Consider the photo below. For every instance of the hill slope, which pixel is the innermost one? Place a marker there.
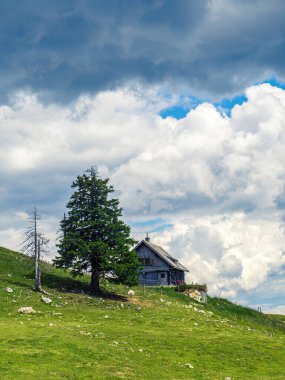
(158, 334)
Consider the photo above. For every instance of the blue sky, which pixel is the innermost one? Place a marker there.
(225, 104)
(180, 103)
(180, 110)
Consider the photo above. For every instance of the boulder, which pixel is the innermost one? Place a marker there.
(26, 310)
(193, 293)
(131, 293)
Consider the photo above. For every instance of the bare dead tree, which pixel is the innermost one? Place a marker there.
(35, 245)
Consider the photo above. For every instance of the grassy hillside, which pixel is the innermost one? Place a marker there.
(157, 334)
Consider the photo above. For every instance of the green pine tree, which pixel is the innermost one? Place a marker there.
(93, 237)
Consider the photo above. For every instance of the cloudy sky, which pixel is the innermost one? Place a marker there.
(180, 103)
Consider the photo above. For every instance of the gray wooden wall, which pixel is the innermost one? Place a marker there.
(144, 252)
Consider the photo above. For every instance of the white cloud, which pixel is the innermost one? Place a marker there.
(238, 159)
(99, 129)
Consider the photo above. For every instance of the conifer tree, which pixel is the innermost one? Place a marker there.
(93, 237)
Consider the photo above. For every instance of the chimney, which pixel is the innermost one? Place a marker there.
(147, 238)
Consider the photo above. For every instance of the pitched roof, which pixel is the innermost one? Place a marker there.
(164, 255)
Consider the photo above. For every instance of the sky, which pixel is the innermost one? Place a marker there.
(180, 103)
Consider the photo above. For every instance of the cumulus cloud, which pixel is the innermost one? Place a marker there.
(214, 183)
(233, 162)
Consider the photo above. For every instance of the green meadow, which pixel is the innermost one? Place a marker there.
(156, 334)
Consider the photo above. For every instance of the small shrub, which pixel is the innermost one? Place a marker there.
(182, 287)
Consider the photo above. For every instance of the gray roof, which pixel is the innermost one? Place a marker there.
(164, 255)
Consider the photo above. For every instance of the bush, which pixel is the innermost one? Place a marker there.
(183, 287)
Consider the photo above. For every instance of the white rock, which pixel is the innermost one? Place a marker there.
(9, 290)
(189, 365)
(26, 310)
(131, 293)
(228, 378)
(46, 300)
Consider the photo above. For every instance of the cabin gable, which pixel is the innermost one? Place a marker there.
(149, 259)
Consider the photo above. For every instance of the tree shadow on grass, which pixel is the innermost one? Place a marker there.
(11, 283)
(68, 284)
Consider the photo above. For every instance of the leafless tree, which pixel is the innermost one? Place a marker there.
(35, 245)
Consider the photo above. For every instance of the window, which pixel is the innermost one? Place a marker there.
(179, 276)
(146, 261)
(162, 275)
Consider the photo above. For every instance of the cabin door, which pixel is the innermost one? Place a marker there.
(163, 280)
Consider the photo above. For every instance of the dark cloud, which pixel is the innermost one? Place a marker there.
(61, 49)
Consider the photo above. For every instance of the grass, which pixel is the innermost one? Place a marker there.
(157, 334)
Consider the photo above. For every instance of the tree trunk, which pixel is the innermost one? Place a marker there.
(38, 271)
(37, 276)
(37, 254)
(94, 284)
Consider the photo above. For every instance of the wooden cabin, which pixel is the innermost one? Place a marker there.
(159, 267)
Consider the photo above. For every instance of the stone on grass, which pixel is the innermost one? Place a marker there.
(131, 293)
(9, 290)
(188, 365)
(26, 310)
(46, 300)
